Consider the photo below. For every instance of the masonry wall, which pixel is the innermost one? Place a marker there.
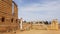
(53, 26)
(7, 20)
(27, 26)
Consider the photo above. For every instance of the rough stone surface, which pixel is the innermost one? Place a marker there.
(8, 21)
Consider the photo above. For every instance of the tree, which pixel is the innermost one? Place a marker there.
(46, 22)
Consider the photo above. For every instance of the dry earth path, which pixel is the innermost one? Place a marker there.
(36, 32)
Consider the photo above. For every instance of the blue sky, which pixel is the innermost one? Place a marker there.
(32, 10)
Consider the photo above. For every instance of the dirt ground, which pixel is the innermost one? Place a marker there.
(35, 32)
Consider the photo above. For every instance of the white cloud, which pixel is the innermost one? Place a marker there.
(50, 6)
(52, 9)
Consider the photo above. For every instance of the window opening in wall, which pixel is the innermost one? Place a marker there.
(12, 20)
(3, 19)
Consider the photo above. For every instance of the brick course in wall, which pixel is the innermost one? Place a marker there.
(8, 21)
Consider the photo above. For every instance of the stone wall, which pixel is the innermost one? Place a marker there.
(27, 26)
(52, 26)
(8, 21)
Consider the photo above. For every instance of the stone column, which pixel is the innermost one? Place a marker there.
(21, 24)
(54, 24)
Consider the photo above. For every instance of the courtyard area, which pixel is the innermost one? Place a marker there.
(35, 32)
